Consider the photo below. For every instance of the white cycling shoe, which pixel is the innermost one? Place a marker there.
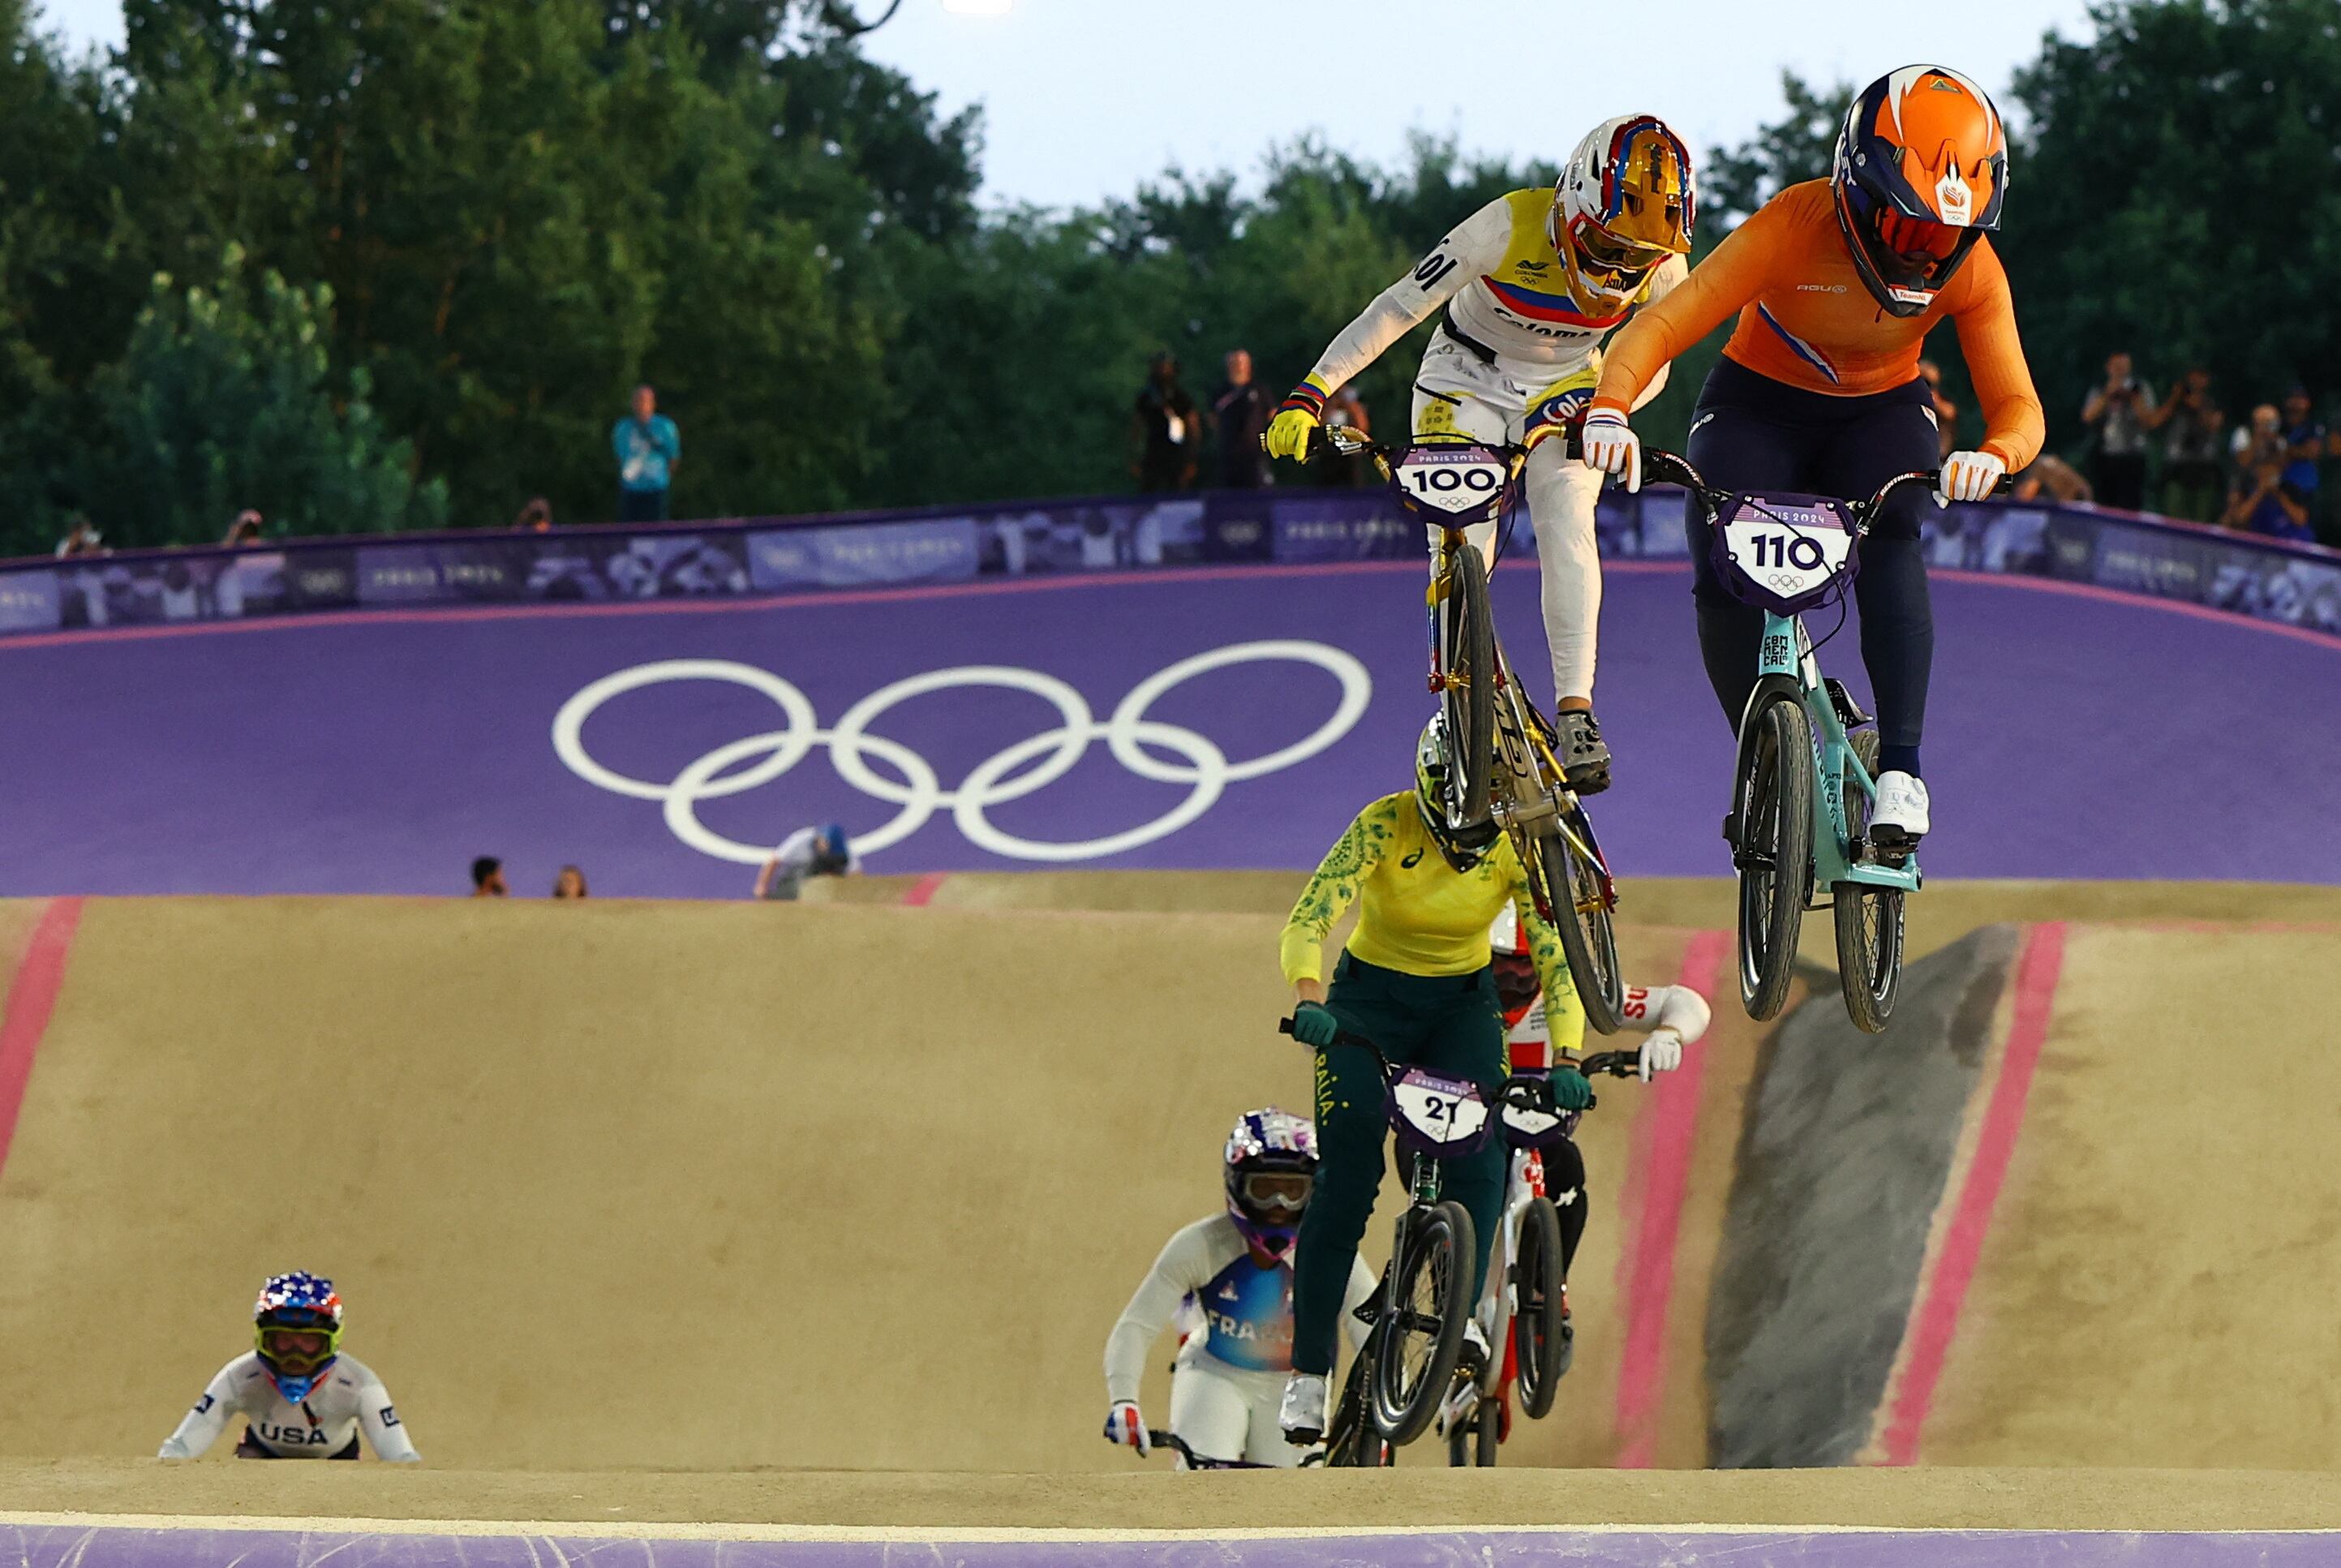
(1303, 1413)
(1897, 819)
(1476, 1355)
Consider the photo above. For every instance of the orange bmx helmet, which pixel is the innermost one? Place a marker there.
(1921, 173)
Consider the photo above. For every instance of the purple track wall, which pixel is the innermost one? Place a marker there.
(2074, 733)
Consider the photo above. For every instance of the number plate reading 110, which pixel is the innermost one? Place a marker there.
(1465, 479)
(1440, 1110)
(1787, 559)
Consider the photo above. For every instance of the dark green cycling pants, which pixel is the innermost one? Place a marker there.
(1447, 1024)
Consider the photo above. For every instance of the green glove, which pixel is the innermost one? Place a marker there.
(1570, 1091)
(1313, 1024)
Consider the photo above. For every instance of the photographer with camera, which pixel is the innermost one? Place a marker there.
(2194, 430)
(2117, 415)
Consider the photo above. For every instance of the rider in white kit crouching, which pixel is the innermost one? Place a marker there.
(1228, 1281)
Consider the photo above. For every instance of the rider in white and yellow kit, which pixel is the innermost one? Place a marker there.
(1531, 283)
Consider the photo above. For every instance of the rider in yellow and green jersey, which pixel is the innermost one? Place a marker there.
(1415, 979)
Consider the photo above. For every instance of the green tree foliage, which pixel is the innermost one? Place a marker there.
(473, 225)
(2177, 193)
(222, 401)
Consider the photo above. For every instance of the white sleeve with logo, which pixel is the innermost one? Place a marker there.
(1186, 1262)
(378, 1419)
(202, 1426)
(1470, 249)
(1675, 1007)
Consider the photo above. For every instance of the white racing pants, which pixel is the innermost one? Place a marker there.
(1225, 1413)
(1457, 393)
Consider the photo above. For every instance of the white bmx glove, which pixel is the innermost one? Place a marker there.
(1968, 477)
(1612, 446)
(1661, 1052)
(1125, 1428)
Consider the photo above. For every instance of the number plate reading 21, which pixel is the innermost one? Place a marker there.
(1439, 1110)
(1454, 479)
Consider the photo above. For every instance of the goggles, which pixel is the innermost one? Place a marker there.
(296, 1350)
(1918, 240)
(1285, 1189)
(1607, 250)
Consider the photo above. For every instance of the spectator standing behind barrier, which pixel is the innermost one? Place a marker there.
(488, 877)
(2116, 414)
(1242, 411)
(648, 447)
(1347, 409)
(2194, 429)
(2261, 501)
(1946, 412)
(244, 531)
(1165, 429)
(809, 852)
(2305, 444)
(536, 517)
(82, 539)
(570, 884)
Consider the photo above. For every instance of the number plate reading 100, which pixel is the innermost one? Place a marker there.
(1463, 481)
(1439, 1109)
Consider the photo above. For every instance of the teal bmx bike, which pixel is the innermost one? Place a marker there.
(1806, 780)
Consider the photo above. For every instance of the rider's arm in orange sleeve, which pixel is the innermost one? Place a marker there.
(2014, 424)
(1717, 289)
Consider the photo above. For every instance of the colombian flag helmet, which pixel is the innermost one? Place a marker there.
(1624, 203)
(1922, 173)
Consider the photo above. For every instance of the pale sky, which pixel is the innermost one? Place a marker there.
(1083, 99)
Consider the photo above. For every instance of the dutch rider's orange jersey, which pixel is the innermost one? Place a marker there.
(1805, 319)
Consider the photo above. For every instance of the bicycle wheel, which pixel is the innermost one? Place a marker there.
(1540, 1335)
(1468, 655)
(1772, 807)
(1423, 1331)
(1579, 890)
(1869, 920)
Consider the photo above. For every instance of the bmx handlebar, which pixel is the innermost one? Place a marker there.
(1617, 1064)
(1673, 468)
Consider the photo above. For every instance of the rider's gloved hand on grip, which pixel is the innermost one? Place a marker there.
(1313, 1024)
(1570, 1090)
(1296, 421)
(1662, 1053)
(1125, 1428)
(1969, 476)
(1612, 446)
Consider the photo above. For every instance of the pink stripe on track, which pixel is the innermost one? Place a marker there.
(923, 892)
(1936, 1318)
(31, 997)
(1665, 1135)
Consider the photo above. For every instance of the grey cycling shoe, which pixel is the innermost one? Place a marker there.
(1584, 759)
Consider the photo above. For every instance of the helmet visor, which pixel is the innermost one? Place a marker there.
(1270, 1194)
(296, 1350)
(1616, 254)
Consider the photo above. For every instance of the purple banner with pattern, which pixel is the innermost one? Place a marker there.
(187, 1546)
(2295, 584)
(1209, 717)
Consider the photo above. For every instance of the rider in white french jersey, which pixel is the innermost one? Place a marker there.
(1532, 282)
(1235, 1347)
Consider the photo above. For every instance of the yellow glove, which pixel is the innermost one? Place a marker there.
(1296, 422)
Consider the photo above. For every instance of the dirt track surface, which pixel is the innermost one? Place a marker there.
(1940, 1498)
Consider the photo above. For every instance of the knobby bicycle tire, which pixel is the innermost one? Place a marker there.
(1468, 655)
(1869, 920)
(1539, 1330)
(1772, 803)
(1440, 1251)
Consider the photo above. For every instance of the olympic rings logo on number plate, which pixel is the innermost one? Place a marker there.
(918, 793)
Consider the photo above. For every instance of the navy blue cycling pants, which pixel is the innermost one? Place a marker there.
(1752, 433)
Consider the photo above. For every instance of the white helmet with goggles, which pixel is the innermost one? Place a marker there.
(1624, 203)
(1271, 1167)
